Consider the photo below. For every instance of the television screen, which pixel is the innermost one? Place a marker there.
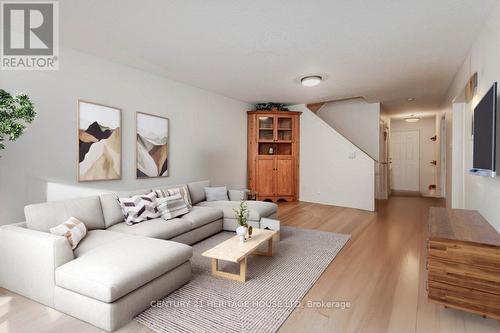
(485, 131)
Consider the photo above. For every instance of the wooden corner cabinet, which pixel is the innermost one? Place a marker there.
(463, 262)
(273, 154)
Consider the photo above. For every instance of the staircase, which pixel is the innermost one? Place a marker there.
(355, 119)
(359, 122)
(333, 170)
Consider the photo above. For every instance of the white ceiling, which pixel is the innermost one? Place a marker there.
(255, 50)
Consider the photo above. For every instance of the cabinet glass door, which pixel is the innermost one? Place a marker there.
(266, 128)
(285, 126)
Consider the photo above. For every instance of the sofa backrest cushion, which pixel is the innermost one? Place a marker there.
(197, 191)
(111, 208)
(44, 216)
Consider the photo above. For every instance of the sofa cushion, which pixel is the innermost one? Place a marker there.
(197, 191)
(157, 228)
(96, 238)
(199, 216)
(237, 195)
(230, 224)
(111, 208)
(111, 271)
(257, 209)
(47, 215)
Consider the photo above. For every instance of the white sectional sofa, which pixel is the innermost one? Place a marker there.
(117, 270)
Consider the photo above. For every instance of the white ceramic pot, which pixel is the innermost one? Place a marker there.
(241, 232)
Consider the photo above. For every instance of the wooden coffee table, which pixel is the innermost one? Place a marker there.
(233, 251)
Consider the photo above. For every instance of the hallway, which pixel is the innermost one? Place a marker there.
(381, 272)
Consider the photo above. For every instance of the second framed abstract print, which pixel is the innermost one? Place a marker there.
(152, 146)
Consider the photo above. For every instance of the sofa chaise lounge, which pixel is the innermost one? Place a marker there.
(117, 270)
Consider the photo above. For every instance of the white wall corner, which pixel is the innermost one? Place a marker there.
(333, 171)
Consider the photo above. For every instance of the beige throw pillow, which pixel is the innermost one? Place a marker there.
(73, 229)
(162, 193)
(172, 204)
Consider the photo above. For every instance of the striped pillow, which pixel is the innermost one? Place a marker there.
(162, 193)
(172, 204)
(139, 208)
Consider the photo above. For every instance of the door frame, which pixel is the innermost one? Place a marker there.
(419, 161)
(458, 155)
(442, 155)
(382, 165)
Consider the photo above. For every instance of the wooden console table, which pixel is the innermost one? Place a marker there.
(463, 260)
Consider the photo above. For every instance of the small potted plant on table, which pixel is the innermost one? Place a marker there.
(241, 215)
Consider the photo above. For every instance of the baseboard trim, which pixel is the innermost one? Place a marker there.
(402, 193)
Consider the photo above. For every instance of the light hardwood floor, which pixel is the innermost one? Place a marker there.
(381, 272)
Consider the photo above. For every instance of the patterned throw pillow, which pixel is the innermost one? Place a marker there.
(139, 208)
(184, 193)
(172, 204)
(73, 229)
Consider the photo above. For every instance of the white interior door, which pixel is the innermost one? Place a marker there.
(405, 161)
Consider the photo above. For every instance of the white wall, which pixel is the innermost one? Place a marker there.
(332, 170)
(427, 129)
(207, 131)
(357, 120)
(479, 193)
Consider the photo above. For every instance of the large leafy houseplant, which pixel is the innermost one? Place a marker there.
(15, 112)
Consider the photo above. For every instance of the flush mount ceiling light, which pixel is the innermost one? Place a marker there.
(412, 119)
(410, 99)
(311, 81)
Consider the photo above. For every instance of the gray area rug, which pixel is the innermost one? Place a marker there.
(275, 286)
